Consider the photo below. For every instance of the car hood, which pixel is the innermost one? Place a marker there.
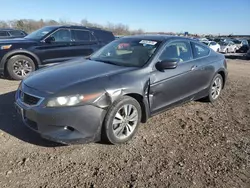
(56, 78)
(15, 41)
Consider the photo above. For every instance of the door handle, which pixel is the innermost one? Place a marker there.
(193, 67)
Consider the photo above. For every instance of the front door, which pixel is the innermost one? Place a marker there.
(172, 86)
(58, 50)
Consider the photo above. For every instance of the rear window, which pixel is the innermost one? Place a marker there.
(199, 50)
(16, 33)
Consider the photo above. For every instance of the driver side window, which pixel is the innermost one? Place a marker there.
(61, 35)
(178, 51)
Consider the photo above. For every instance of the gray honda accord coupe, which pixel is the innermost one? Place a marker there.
(107, 95)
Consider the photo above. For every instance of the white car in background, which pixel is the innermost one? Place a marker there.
(227, 47)
(203, 40)
(213, 45)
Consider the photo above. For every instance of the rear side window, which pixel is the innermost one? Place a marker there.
(83, 35)
(4, 34)
(199, 50)
(16, 33)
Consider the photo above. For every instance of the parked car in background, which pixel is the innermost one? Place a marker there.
(203, 39)
(227, 47)
(213, 45)
(242, 45)
(49, 45)
(12, 33)
(248, 54)
(107, 95)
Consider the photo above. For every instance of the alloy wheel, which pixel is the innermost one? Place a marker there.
(125, 121)
(216, 88)
(22, 68)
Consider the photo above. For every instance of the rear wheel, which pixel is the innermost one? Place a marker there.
(215, 88)
(20, 66)
(122, 120)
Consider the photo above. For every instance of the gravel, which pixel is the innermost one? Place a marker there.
(193, 145)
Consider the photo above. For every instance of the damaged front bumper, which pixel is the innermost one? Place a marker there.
(67, 125)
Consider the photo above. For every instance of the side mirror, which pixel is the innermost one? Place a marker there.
(50, 39)
(167, 64)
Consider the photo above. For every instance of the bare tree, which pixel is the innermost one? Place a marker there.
(3, 24)
(30, 25)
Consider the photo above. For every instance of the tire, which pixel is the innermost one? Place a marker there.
(19, 66)
(227, 51)
(218, 50)
(115, 130)
(211, 97)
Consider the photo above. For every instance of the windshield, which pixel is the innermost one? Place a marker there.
(217, 40)
(39, 34)
(131, 52)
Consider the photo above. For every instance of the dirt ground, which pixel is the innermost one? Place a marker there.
(194, 145)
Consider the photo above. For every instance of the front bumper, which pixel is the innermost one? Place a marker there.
(67, 125)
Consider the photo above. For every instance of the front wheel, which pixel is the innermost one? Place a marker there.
(20, 66)
(215, 88)
(122, 120)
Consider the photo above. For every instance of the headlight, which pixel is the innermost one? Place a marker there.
(6, 47)
(71, 100)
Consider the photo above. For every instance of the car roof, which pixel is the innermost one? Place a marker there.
(6, 29)
(9, 29)
(158, 37)
(78, 27)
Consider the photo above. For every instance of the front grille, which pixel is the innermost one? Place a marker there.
(29, 99)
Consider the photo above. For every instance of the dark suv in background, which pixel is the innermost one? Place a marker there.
(49, 45)
(11, 33)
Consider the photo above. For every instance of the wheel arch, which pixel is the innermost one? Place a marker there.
(223, 75)
(29, 54)
(143, 103)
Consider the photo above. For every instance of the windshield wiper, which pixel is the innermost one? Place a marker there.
(106, 61)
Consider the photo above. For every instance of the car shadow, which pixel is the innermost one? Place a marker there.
(236, 56)
(11, 123)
